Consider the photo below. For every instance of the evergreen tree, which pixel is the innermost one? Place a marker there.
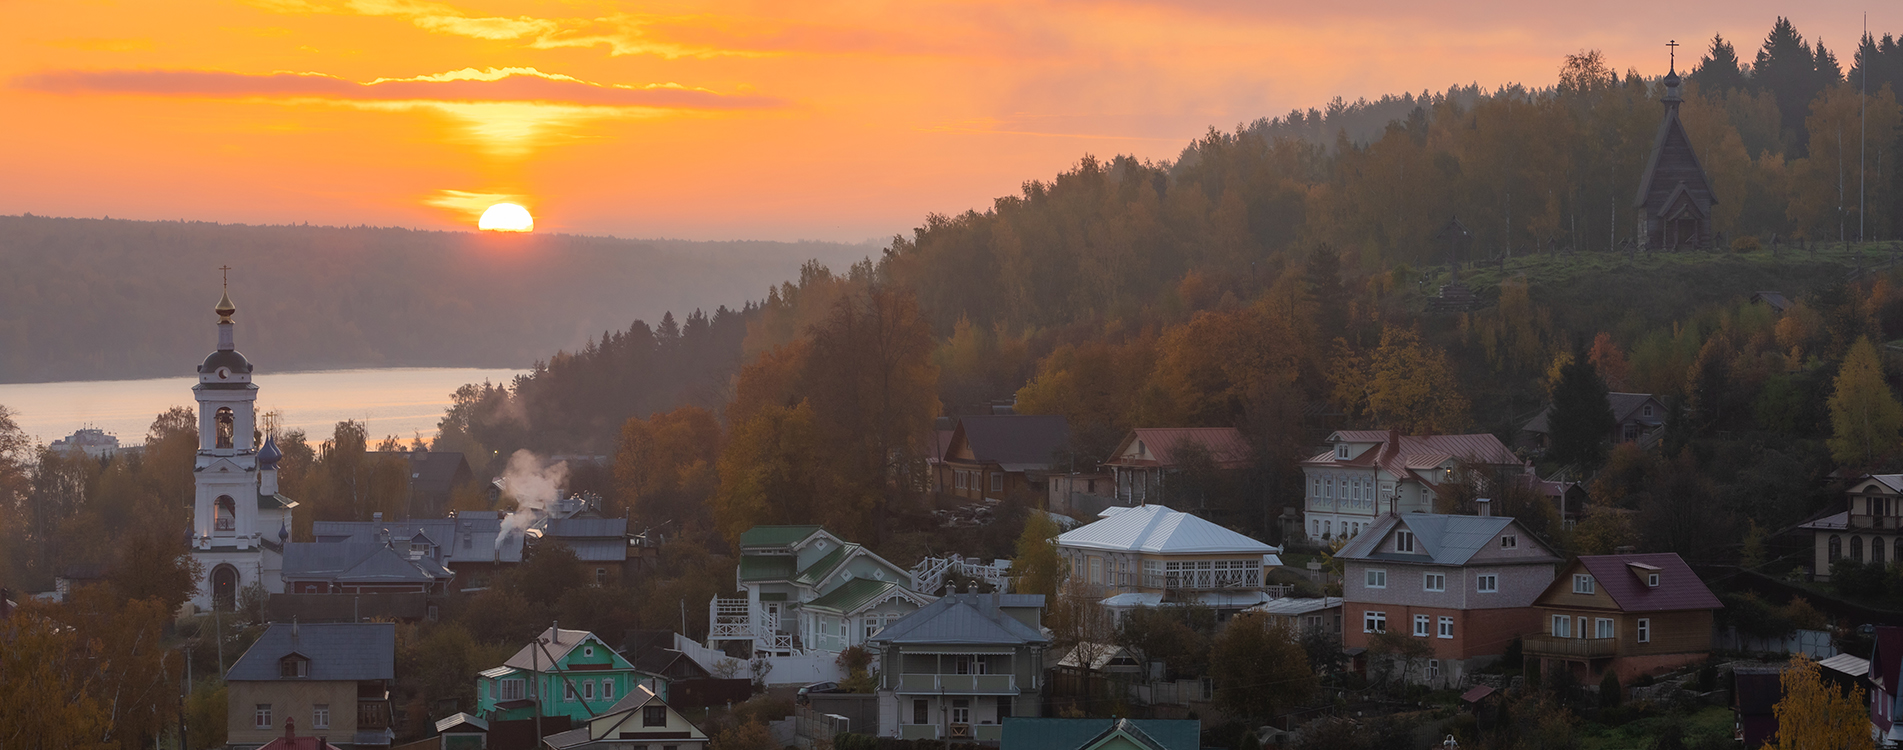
(1787, 68)
(1581, 418)
(1323, 281)
(1865, 418)
(1719, 71)
(1829, 73)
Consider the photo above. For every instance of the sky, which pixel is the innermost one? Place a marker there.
(841, 120)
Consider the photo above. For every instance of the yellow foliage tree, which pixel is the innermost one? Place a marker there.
(770, 472)
(1815, 716)
(1865, 418)
(1212, 367)
(1403, 385)
(667, 461)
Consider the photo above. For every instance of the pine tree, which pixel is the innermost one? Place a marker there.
(1829, 73)
(1865, 418)
(1323, 281)
(1787, 68)
(1581, 418)
(1718, 72)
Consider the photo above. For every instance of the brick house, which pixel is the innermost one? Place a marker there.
(1631, 614)
(1463, 584)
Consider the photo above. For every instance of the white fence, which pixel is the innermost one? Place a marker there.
(785, 670)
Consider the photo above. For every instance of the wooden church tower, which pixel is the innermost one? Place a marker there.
(1674, 200)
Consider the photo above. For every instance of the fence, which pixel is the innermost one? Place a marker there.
(1816, 643)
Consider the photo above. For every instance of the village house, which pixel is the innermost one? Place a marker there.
(1870, 528)
(991, 457)
(572, 673)
(1306, 615)
(1632, 614)
(474, 545)
(806, 590)
(333, 680)
(1886, 692)
(433, 476)
(394, 566)
(1637, 418)
(1365, 473)
(640, 719)
(1146, 459)
(960, 666)
(1464, 585)
(1149, 555)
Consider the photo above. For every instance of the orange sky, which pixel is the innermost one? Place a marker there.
(818, 119)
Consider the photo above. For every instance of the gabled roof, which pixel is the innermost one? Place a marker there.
(1225, 444)
(856, 593)
(481, 528)
(826, 564)
(1672, 150)
(1679, 588)
(1440, 539)
(767, 567)
(560, 642)
(1625, 406)
(348, 651)
(570, 529)
(1016, 442)
(1078, 734)
(965, 619)
(1290, 606)
(776, 536)
(358, 562)
(1156, 528)
(1400, 454)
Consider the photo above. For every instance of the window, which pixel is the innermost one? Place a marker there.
(1510, 541)
(1602, 627)
(431, 613)
(872, 627)
(1856, 548)
(225, 426)
(1433, 669)
(320, 716)
(568, 690)
(262, 717)
(1328, 488)
(294, 666)
(1836, 547)
(1420, 625)
(601, 576)
(1403, 541)
(961, 711)
(1341, 451)
(1328, 528)
(1582, 583)
(509, 690)
(1487, 584)
(997, 481)
(1645, 630)
(588, 691)
(1377, 579)
(1652, 580)
(654, 716)
(1004, 708)
(1434, 582)
(588, 650)
(224, 514)
(1209, 688)
(607, 688)
(1096, 570)
(1374, 622)
(1562, 626)
(919, 715)
(1446, 627)
(1645, 410)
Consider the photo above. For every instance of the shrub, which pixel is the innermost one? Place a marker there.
(1746, 244)
(1611, 694)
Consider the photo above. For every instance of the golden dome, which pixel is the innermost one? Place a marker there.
(225, 308)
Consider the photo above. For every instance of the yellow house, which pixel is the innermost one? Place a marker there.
(332, 679)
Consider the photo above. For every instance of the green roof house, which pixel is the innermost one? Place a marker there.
(801, 590)
(572, 672)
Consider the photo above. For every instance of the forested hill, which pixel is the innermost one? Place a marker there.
(107, 299)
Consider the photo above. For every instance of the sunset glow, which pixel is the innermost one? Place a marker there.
(506, 217)
(722, 118)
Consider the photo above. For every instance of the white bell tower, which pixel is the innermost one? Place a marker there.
(238, 529)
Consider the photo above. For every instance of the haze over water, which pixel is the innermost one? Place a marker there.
(394, 401)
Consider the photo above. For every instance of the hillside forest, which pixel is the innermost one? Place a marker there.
(1275, 279)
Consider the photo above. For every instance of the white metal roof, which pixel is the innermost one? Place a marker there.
(1157, 529)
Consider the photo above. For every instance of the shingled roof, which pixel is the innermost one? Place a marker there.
(1441, 539)
(1402, 455)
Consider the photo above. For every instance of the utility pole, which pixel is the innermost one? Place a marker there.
(1863, 126)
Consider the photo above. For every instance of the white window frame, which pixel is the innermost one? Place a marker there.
(997, 481)
(512, 689)
(1433, 581)
(1582, 583)
(1374, 622)
(1602, 628)
(1487, 583)
(1433, 669)
(1562, 626)
(1509, 541)
(1403, 541)
(261, 716)
(587, 690)
(320, 716)
(607, 688)
(568, 691)
(1341, 451)
(1445, 627)
(1645, 630)
(1421, 625)
(1376, 578)
(1652, 580)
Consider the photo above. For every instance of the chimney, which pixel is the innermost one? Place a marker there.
(290, 733)
(377, 517)
(1484, 505)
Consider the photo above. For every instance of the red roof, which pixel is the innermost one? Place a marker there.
(1226, 445)
(1678, 589)
(1887, 656)
(1400, 454)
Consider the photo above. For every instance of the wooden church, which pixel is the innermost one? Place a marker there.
(1674, 200)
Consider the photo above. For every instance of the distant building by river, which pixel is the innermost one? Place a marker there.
(93, 442)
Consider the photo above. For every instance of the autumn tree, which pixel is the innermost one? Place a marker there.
(1259, 667)
(1403, 384)
(1037, 569)
(1814, 715)
(1865, 418)
(1098, 386)
(1610, 361)
(772, 471)
(43, 697)
(665, 465)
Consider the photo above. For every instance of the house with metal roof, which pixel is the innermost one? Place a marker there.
(1023, 733)
(960, 666)
(601, 544)
(569, 673)
(475, 545)
(1637, 418)
(641, 719)
(1886, 683)
(1365, 473)
(989, 457)
(1149, 555)
(1463, 585)
(1632, 614)
(800, 589)
(1870, 528)
(332, 679)
(1146, 459)
(1307, 614)
(363, 568)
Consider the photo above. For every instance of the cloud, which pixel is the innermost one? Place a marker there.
(466, 85)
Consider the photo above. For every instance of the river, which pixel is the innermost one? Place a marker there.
(404, 401)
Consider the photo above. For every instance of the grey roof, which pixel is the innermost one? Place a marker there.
(1158, 529)
(433, 471)
(358, 562)
(1440, 539)
(338, 651)
(1625, 406)
(560, 642)
(582, 528)
(965, 619)
(447, 532)
(1015, 441)
(599, 550)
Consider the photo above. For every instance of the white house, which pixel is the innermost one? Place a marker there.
(804, 590)
(1365, 473)
(1135, 556)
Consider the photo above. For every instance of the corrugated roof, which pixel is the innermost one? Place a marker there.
(775, 536)
(338, 651)
(1017, 439)
(1401, 454)
(853, 594)
(1156, 528)
(567, 529)
(1678, 589)
(447, 532)
(1226, 446)
(355, 561)
(1076, 734)
(960, 619)
(1291, 606)
(560, 642)
(598, 550)
(766, 567)
(1440, 539)
(1848, 664)
(818, 571)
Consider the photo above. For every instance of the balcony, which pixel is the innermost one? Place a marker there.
(373, 715)
(991, 684)
(978, 732)
(1570, 648)
(1867, 521)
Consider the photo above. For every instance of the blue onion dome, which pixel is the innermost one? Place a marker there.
(284, 532)
(269, 456)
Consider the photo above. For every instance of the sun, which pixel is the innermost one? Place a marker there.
(506, 217)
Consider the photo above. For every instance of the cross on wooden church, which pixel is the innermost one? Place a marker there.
(1672, 45)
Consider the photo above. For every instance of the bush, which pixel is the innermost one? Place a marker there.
(1746, 244)
(1611, 694)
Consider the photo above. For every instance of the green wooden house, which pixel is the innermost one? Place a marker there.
(572, 672)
